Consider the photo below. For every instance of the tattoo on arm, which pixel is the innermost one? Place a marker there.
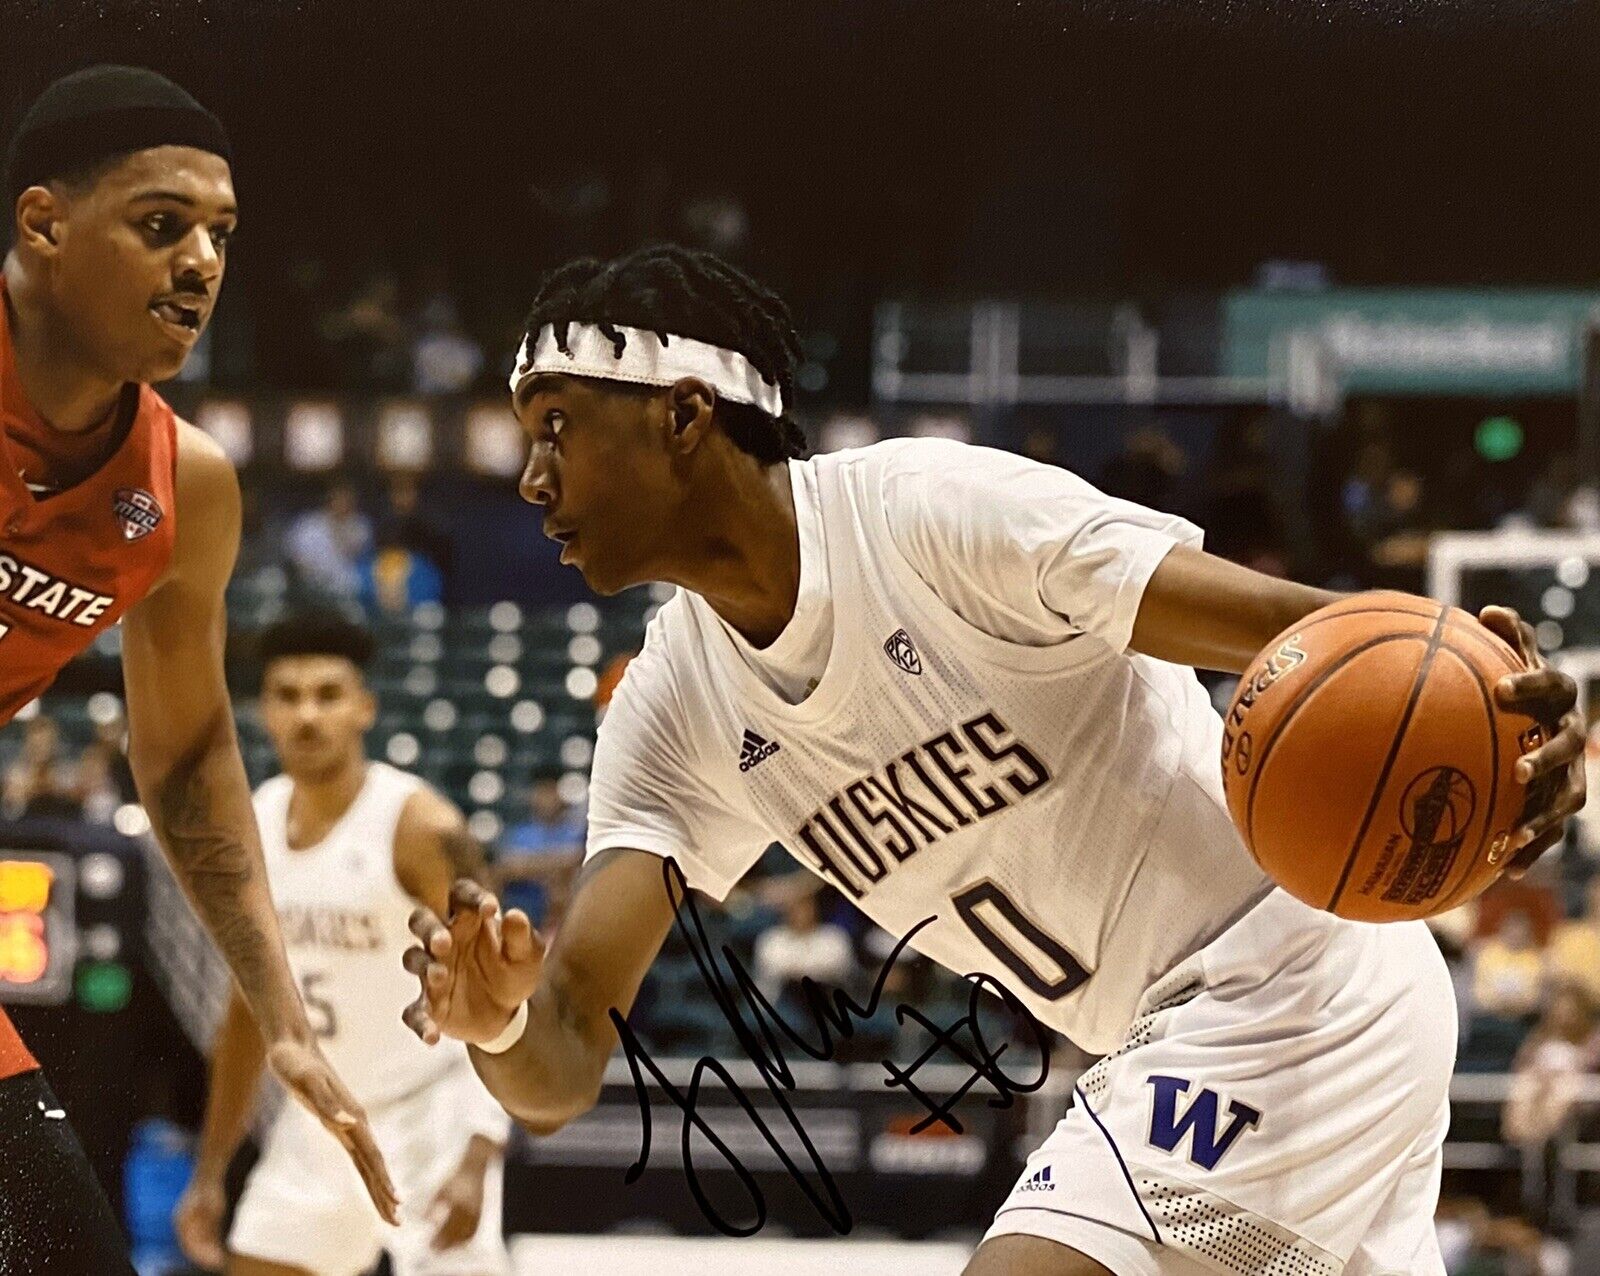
(191, 819)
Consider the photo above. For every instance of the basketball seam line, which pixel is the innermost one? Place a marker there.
(1417, 683)
(1293, 708)
(1494, 772)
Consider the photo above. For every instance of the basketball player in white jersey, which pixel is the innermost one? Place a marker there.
(958, 685)
(352, 847)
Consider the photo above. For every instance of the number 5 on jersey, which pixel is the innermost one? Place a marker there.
(319, 1013)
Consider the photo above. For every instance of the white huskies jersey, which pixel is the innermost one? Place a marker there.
(344, 917)
(1054, 805)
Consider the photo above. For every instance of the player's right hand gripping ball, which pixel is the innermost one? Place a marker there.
(1366, 763)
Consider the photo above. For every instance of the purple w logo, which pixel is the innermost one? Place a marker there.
(1167, 1129)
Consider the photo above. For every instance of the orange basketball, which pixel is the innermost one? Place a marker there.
(1367, 764)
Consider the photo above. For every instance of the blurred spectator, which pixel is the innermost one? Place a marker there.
(1240, 513)
(803, 945)
(407, 525)
(1563, 498)
(366, 336)
(1546, 1082)
(1575, 946)
(539, 857)
(394, 580)
(98, 792)
(1510, 1247)
(1508, 975)
(444, 358)
(326, 545)
(1146, 469)
(40, 783)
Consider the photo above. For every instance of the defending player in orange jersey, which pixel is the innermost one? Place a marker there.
(113, 509)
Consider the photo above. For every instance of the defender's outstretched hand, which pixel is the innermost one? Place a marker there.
(310, 1079)
(1554, 771)
(475, 971)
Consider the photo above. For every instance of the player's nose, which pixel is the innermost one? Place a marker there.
(537, 487)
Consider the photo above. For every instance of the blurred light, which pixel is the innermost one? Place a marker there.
(103, 708)
(100, 876)
(584, 618)
(940, 425)
(584, 649)
(1573, 572)
(440, 715)
(313, 436)
(661, 591)
(104, 986)
(130, 820)
(502, 681)
(1498, 438)
(494, 440)
(405, 436)
(527, 716)
(428, 615)
(846, 430)
(108, 642)
(576, 751)
(505, 648)
(505, 618)
(29, 710)
(420, 681)
(1556, 602)
(426, 648)
(486, 787)
(228, 422)
(581, 683)
(573, 788)
(484, 825)
(403, 749)
(490, 750)
(102, 942)
(1550, 635)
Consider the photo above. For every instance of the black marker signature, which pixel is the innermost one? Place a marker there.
(762, 1030)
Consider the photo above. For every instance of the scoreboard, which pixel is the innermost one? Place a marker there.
(38, 935)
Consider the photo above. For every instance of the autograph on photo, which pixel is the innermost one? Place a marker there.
(764, 1034)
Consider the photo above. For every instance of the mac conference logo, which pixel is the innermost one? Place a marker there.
(137, 511)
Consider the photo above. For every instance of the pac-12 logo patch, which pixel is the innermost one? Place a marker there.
(137, 511)
(898, 647)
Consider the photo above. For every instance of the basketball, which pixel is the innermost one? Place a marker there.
(1366, 763)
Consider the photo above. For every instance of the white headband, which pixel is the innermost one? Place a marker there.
(644, 360)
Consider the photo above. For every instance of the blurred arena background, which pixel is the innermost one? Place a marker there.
(1325, 278)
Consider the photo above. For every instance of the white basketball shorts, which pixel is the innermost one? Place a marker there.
(304, 1205)
(1277, 1109)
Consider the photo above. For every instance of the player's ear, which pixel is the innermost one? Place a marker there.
(690, 403)
(39, 215)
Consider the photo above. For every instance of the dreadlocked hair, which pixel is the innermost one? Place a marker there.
(673, 291)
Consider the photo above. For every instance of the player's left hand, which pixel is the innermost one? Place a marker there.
(311, 1079)
(1553, 772)
(458, 1205)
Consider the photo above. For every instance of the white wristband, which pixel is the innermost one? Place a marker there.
(512, 1034)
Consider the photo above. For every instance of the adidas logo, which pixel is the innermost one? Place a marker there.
(755, 750)
(1039, 1182)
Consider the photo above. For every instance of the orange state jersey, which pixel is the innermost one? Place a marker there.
(72, 562)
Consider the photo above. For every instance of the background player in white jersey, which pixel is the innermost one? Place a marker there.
(953, 682)
(352, 847)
